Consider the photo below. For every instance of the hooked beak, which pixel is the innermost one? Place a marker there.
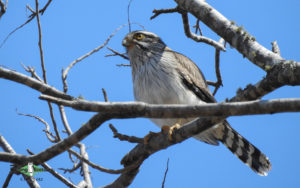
(127, 43)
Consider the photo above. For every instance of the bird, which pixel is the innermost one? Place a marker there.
(163, 76)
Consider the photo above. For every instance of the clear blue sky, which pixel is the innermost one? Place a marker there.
(73, 28)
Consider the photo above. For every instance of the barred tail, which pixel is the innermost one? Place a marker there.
(245, 151)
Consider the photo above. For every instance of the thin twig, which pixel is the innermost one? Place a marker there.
(123, 65)
(166, 172)
(40, 41)
(122, 137)
(13, 31)
(8, 178)
(160, 11)
(128, 15)
(102, 169)
(52, 138)
(195, 37)
(31, 17)
(104, 95)
(275, 47)
(219, 82)
(43, 67)
(71, 170)
(116, 53)
(65, 72)
(197, 27)
(31, 70)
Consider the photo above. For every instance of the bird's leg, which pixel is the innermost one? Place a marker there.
(165, 129)
(170, 129)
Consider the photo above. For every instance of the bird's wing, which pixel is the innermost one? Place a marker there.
(193, 78)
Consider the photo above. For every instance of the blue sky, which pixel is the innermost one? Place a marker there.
(73, 28)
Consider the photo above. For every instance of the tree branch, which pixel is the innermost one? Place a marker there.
(65, 72)
(32, 83)
(140, 109)
(236, 36)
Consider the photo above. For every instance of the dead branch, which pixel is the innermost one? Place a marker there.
(31, 17)
(31, 70)
(32, 83)
(104, 95)
(236, 36)
(219, 82)
(52, 138)
(140, 109)
(65, 72)
(166, 172)
(102, 169)
(275, 47)
(116, 53)
(187, 31)
(122, 137)
(160, 11)
(197, 38)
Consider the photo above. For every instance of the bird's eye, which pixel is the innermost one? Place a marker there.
(139, 36)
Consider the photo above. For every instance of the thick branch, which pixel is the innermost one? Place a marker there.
(32, 83)
(236, 36)
(140, 109)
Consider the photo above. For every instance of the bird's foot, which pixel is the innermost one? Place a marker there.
(170, 130)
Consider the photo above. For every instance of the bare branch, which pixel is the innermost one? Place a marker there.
(275, 47)
(5, 145)
(52, 138)
(64, 119)
(123, 65)
(31, 70)
(104, 95)
(31, 17)
(195, 37)
(8, 178)
(140, 109)
(219, 82)
(121, 137)
(128, 15)
(85, 167)
(102, 169)
(197, 27)
(116, 53)
(40, 41)
(236, 36)
(65, 72)
(166, 172)
(32, 83)
(160, 11)
(75, 167)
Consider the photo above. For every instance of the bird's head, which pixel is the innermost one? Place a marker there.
(142, 41)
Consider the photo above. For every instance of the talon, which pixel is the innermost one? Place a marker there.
(149, 136)
(170, 130)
